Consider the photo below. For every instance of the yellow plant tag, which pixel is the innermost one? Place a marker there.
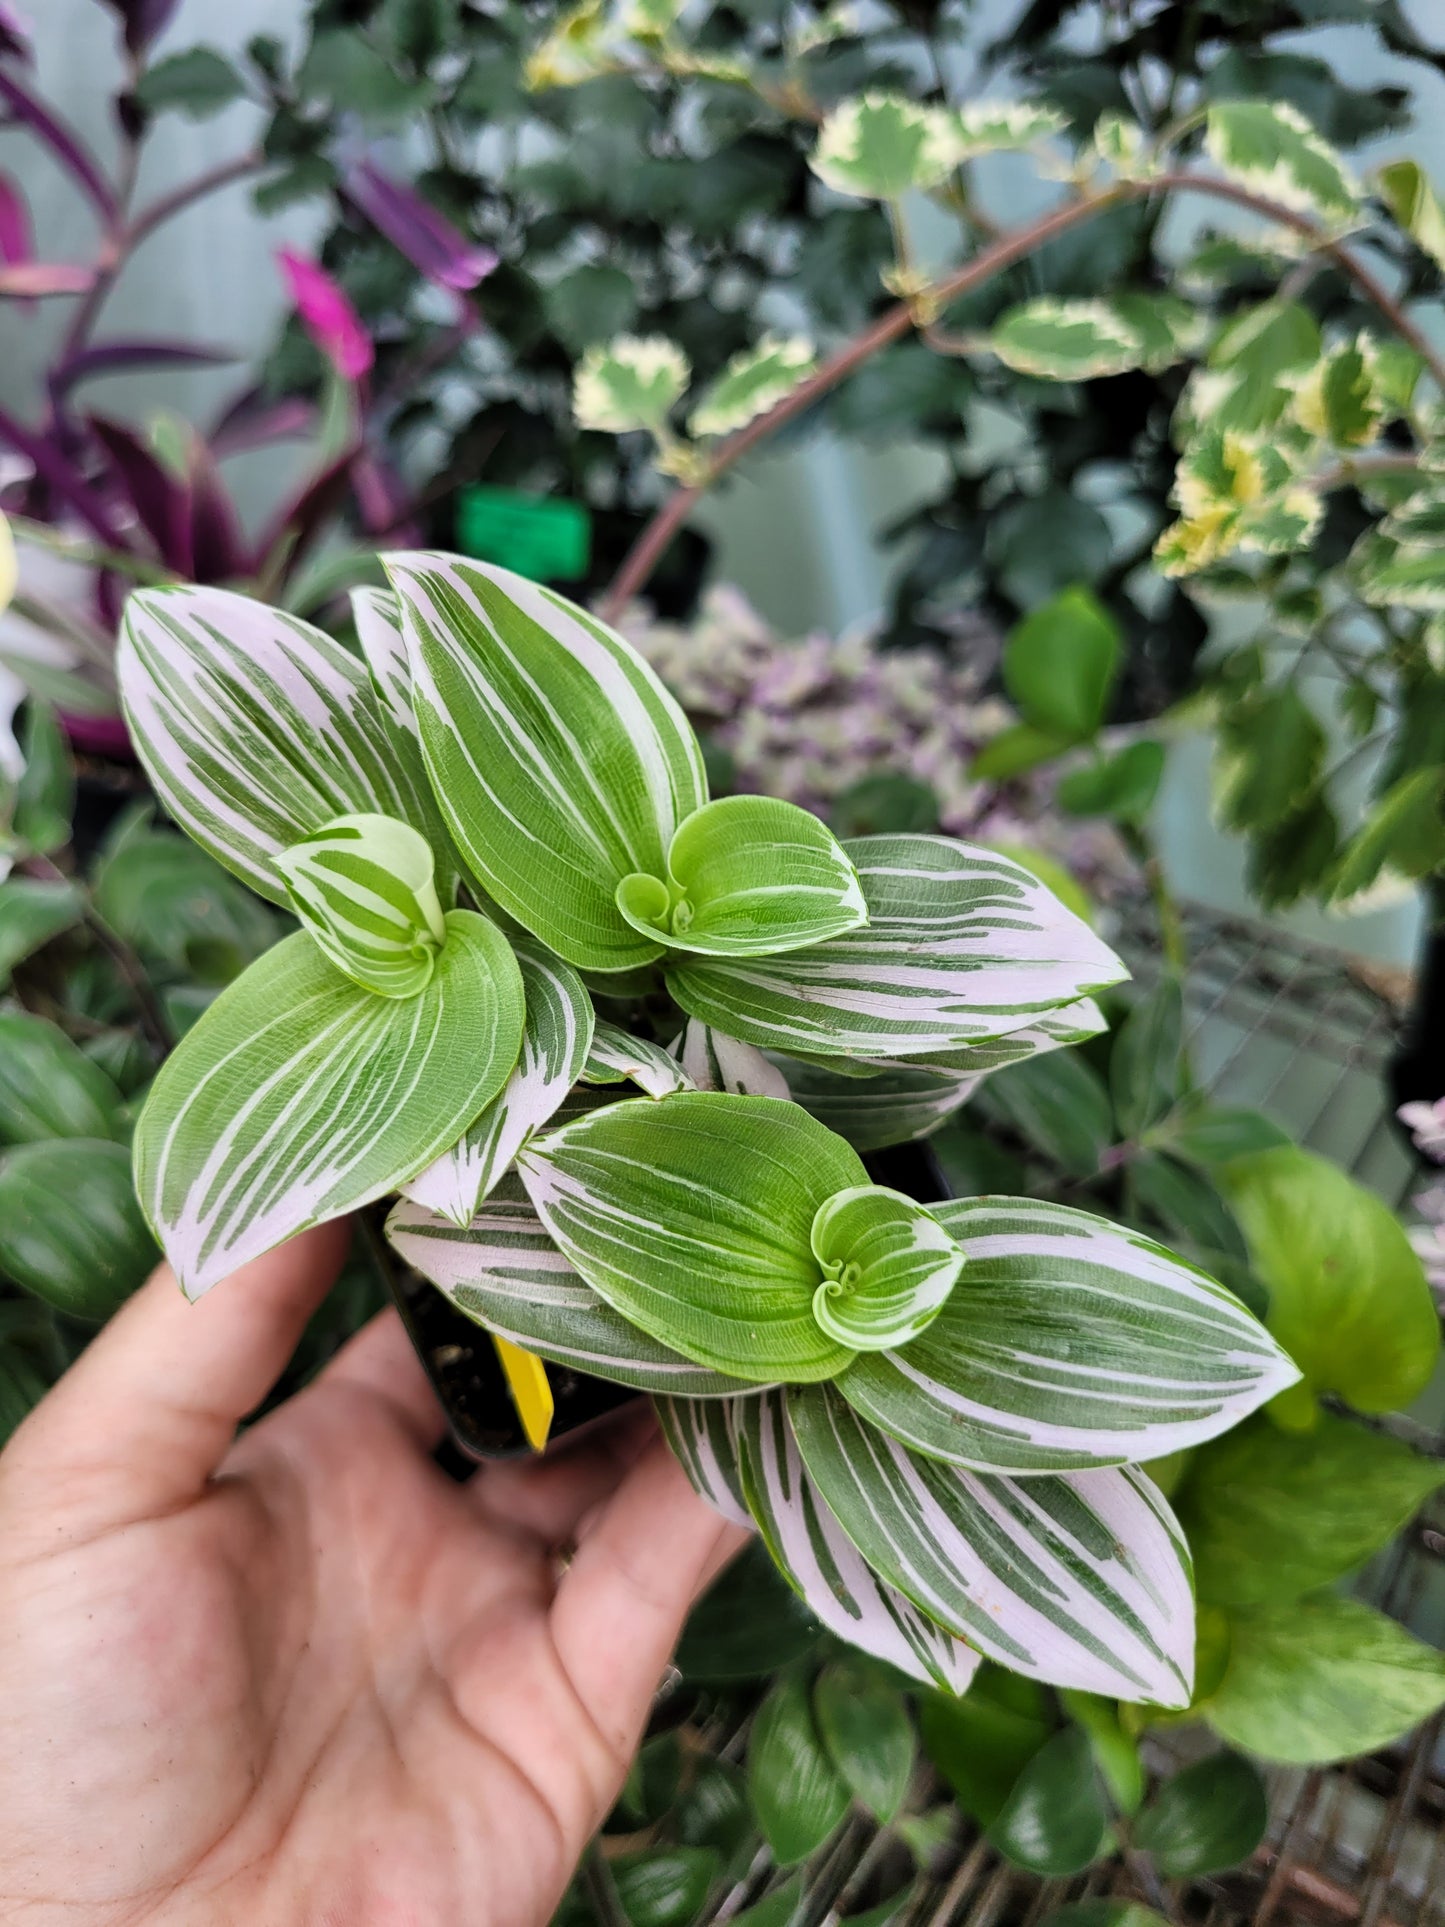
(531, 1390)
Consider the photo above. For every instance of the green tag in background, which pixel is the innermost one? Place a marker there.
(545, 538)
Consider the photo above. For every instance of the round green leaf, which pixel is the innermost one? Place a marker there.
(888, 1265)
(1060, 662)
(748, 1625)
(49, 1088)
(797, 1793)
(982, 1742)
(1054, 1821)
(664, 1888)
(71, 1230)
(865, 1726)
(1209, 1817)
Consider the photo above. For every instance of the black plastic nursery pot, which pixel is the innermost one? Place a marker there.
(461, 1361)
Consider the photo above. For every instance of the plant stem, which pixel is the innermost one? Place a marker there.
(167, 206)
(895, 322)
(1140, 846)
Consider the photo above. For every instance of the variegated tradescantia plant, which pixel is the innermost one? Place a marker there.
(935, 1416)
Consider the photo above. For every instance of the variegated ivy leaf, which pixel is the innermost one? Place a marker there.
(892, 1106)
(1075, 1342)
(560, 761)
(692, 1218)
(504, 1271)
(1402, 838)
(703, 1437)
(961, 946)
(254, 727)
(1337, 399)
(994, 126)
(1077, 340)
(377, 615)
(632, 382)
(1122, 145)
(888, 1265)
(747, 876)
(1408, 192)
(821, 1561)
(617, 1057)
(1080, 1580)
(714, 1062)
(365, 888)
(751, 383)
(555, 1042)
(1406, 575)
(1269, 147)
(881, 145)
(299, 1095)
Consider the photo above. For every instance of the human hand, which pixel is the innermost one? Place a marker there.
(299, 1678)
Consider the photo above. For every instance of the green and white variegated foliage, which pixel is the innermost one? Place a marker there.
(932, 1414)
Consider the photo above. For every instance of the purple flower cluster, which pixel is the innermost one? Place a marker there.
(807, 720)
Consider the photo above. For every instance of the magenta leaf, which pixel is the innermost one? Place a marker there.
(54, 468)
(327, 315)
(158, 498)
(67, 147)
(37, 280)
(415, 228)
(255, 420)
(111, 357)
(143, 20)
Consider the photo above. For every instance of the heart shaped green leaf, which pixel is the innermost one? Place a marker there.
(561, 763)
(692, 1216)
(299, 1095)
(365, 888)
(888, 1265)
(747, 876)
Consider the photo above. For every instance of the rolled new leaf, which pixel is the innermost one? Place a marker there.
(299, 1095)
(364, 886)
(961, 947)
(617, 1057)
(692, 1217)
(888, 1266)
(747, 876)
(1075, 1342)
(561, 763)
(256, 728)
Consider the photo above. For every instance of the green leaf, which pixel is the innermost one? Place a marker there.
(664, 1887)
(1322, 1679)
(747, 876)
(1269, 750)
(1410, 195)
(1054, 1821)
(32, 914)
(749, 1624)
(692, 1217)
(358, 78)
(887, 1263)
(1254, 366)
(1122, 786)
(781, 1908)
(615, 1057)
(754, 381)
(1014, 750)
(633, 382)
(364, 887)
(255, 729)
(1140, 1354)
(1187, 1205)
(198, 81)
(503, 1270)
(992, 126)
(45, 793)
(1145, 1069)
(1060, 662)
(798, 1794)
(31, 1359)
(242, 1141)
(983, 1741)
(1270, 1514)
(592, 304)
(1347, 1296)
(1080, 1580)
(1403, 836)
(556, 1039)
(1116, 1752)
(560, 761)
(70, 1228)
(1080, 339)
(881, 145)
(49, 1087)
(864, 1724)
(892, 1106)
(1060, 1105)
(1214, 1134)
(1337, 400)
(177, 906)
(932, 971)
(883, 804)
(1407, 575)
(1270, 148)
(1210, 1816)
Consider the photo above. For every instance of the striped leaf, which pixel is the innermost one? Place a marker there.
(1050, 1030)
(883, 1107)
(365, 888)
(821, 1561)
(962, 946)
(617, 1056)
(703, 1437)
(887, 1263)
(691, 1217)
(377, 615)
(747, 876)
(299, 1096)
(1074, 1342)
(505, 1272)
(555, 1041)
(254, 728)
(714, 1062)
(1081, 1580)
(561, 763)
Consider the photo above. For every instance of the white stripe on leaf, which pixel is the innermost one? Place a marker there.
(714, 1062)
(299, 1096)
(618, 1057)
(555, 1044)
(888, 1266)
(1076, 1342)
(364, 886)
(703, 1437)
(377, 615)
(1081, 1580)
